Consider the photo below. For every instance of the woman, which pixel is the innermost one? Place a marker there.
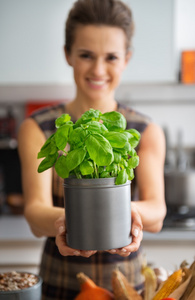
(97, 47)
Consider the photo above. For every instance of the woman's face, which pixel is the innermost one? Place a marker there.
(98, 57)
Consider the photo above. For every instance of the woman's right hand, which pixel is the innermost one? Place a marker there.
(61, 241)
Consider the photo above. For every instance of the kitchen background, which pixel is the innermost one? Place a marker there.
(33, 72)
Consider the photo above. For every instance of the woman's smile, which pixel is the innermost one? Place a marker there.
(96, 83)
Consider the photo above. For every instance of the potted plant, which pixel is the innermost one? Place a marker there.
(97, 168)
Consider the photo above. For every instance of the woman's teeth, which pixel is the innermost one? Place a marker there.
(97, 82)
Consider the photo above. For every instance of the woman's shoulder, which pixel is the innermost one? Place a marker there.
(135, 119)
(45, 117)
(48, 112)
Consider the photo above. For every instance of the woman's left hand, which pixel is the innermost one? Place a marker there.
(136, 233)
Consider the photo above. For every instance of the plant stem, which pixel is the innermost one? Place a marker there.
(95, 169)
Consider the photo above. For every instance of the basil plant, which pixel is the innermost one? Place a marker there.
(100, 146)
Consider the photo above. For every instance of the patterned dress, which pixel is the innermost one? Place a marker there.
(59, 272)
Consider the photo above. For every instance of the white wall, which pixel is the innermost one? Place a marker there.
(32, 37)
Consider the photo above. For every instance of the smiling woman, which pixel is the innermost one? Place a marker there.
(98, 37)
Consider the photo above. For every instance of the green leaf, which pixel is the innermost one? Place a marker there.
(117, 157)
(61, 136)
(78, 135)
(133, 162)
(47, 162)
(122, 177)
(135, 137)
(135, 133)
(116, 139)
(105, 175)
(62, 120)
(114, 121)
(130, 173)
(86, 167)
(90, 115)
(127, 147)
(100, 150)
(75, 158)
(61, 167)
(48, 147)
(96, 127)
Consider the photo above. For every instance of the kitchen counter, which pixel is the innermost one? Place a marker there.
(14, 228)
(21, 250)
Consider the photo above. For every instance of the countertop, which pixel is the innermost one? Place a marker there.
(14, 228)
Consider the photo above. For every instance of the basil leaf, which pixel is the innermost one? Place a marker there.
(86, 167)
(130, 173)
(100, 150)
(48, 147)
(105, 175)
(62, 120)
(96, 127)
(122, 177)
(116, 139)
(61, 136)
(78, 135)
(135, 137)
(117, 157)
(75, 158)
(114, 121)
(47, 162)
(61, 167)
(133, 162)
(90, 115)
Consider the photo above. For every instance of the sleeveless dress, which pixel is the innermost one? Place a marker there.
(59, 272)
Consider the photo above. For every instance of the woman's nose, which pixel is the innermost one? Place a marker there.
(99, 67)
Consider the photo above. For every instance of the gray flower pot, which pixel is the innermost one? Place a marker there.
(32, 293)
(98, 213)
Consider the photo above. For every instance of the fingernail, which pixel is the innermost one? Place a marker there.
(88, 252)
(61, 229)
(113, 251)
(123, 250)
(135, 232)
(76, 252)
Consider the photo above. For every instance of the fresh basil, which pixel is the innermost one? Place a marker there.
(100, 146)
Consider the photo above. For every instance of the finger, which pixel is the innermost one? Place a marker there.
(87, 253)
(59, 222)
(135, 244)
(62, 245)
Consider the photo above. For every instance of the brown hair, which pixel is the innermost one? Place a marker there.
(99, 12)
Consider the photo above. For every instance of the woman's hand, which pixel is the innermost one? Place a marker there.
(61, 241)
(136, 233)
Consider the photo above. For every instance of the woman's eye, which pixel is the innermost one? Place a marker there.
(111, 57)
(85, 55)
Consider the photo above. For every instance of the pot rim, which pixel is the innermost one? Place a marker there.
(39, 283)
(93, 182)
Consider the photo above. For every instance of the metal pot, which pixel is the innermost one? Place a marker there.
(180, 187)
(98, 213)
(31, 293)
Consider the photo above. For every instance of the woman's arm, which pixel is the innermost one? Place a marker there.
(150, 179)
(39, 210)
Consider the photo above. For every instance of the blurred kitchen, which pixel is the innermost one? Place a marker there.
(159, 82)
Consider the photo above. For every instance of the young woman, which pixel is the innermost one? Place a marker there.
(97, 47)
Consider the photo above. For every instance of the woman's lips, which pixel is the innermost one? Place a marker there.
(97, 83)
